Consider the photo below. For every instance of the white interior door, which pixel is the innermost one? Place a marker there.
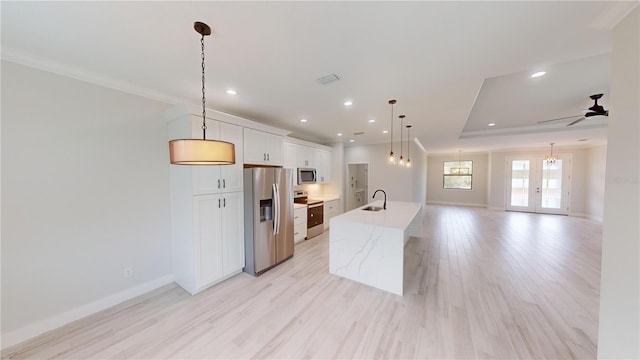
(535, 185)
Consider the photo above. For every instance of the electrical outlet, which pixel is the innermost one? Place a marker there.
(128, 272)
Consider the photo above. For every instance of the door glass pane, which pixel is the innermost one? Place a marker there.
(520, 183)
(551, 184)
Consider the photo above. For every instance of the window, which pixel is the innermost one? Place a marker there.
(457, 175)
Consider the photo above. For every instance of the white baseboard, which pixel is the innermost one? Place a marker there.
(34, 329)
(587, 216)
(496, 208)
(455, 204)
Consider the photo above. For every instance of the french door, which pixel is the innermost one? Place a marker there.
(536, 185)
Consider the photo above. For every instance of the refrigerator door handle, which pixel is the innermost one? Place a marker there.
(279, 207)
(276, 210)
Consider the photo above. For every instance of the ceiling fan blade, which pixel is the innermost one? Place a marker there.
(575, 121)
(558, 119)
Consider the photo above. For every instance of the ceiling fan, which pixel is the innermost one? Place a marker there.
(595, 110)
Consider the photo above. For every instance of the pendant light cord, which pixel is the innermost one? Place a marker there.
(204, 112)
(392, 128)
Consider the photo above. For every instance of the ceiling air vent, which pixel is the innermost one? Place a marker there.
(359, 133)
(328, 79)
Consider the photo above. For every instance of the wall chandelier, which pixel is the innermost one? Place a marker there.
(551, 159)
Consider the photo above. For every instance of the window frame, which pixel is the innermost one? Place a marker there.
(444, 175)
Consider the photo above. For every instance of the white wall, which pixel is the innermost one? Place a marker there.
(596, 160)
(420, 181)
(400, 184)
(85, 185)
(436, 194)
(619, 327)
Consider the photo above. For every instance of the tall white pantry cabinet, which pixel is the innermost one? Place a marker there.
(206, 210)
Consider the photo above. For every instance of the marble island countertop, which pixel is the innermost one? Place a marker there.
(368, 246)
(398, 214)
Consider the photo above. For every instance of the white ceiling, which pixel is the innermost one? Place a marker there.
(433, 57)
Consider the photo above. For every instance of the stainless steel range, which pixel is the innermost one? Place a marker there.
(315, 213)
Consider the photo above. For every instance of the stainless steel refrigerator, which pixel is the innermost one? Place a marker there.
(268, 213)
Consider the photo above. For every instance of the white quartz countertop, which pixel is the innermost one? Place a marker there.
(398, 214)
(299, 206)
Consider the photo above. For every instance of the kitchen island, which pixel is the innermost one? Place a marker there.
(368, 246)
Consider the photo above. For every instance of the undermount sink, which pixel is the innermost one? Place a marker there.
(372, 208)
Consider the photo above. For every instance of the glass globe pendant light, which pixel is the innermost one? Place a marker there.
(202, 151)
(392, 158)
(401, 160)
(408, 146)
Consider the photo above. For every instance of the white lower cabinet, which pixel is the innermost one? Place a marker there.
(299, 224)
(216, 245)
(331, 209)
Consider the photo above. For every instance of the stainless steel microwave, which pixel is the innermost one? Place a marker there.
(307, 176)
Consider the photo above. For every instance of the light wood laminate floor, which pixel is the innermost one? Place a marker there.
(478, 284)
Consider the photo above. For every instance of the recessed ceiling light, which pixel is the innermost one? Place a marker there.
(351, 140)
(385, 131)
(491, 124)
(231, 92)
(372, 120)
(303, 120)
(538, 74)
(339, 134)
(348, 103)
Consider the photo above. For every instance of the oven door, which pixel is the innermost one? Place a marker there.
(306, 176)
(315, 214)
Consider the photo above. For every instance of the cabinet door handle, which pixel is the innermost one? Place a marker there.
(267, 156)
(218, 183)
(218, 202)
(264, 156)
(224, 202)
(295, 217)
(224, 184)
(296, 233)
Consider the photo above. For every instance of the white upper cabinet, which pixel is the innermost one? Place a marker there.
(223, 178)
(323, 162)
(262, 148)
(290, 157)
(273, 146)
(211, 179)
(306, 157)
(231, 175)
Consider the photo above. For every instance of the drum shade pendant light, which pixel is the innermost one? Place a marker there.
(392, 158)
(202, 151)
(408, 146)
(401, 161)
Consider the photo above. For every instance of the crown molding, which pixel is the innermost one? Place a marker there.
(48, 65)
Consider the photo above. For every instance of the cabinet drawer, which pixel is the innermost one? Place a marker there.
(300, 216)
(299, 232)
